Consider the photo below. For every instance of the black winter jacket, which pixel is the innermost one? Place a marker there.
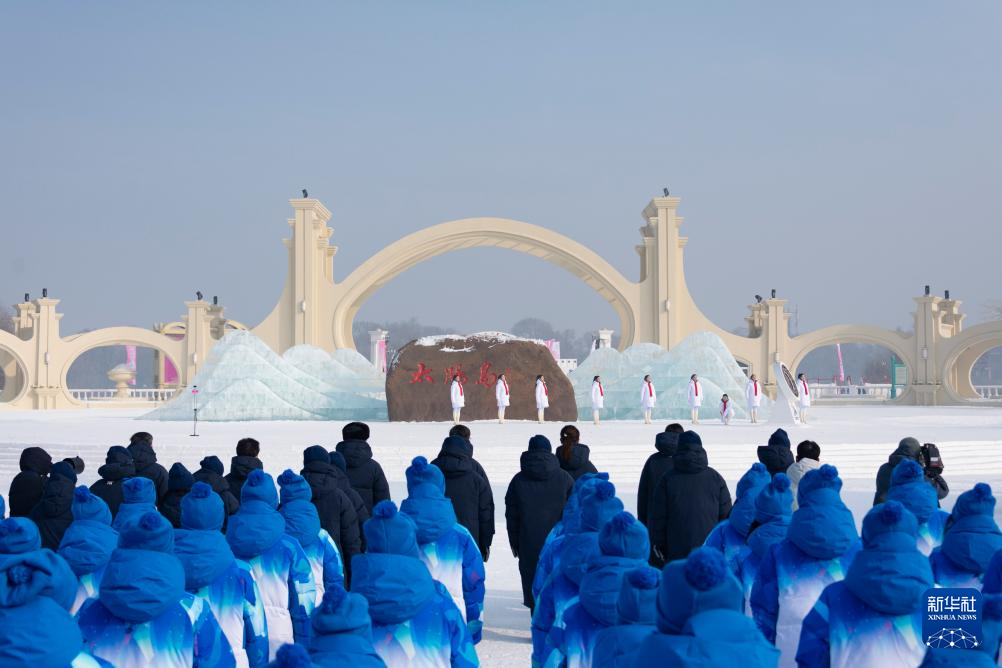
(655, 467)
(118, 466)
(336, 511)
(688, 502)
(179, 483)
(902, 453)
(241, 467)
(147, 467)
(53, 514)
(777, 457)
(471, 494)
(578, 463)
(231, 503)
(27, 486)
(534, 502)
(364, 472)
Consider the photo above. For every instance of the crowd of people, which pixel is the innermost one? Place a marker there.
(150, 566)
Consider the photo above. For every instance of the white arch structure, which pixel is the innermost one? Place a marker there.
(315, 309)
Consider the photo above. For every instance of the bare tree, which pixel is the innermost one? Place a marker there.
(6, 319)
(993, 309)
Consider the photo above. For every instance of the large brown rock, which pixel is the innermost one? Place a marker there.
(418, 380)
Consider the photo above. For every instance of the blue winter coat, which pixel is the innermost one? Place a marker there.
(342, 632)
(967, 548)
(718, 637)
(748, 559)
(561, 590)
(636, 610)
(451, 555)
(19, 535)
(730, 535)
(414, 621)
(303, 523)
(139, 496)
(922, 500)
(88, 544)
(142, 616)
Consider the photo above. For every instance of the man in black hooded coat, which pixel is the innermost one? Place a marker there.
(141, 449)
(27, 486)
(777, 456)
(52, 514)
(335, 508)
(364, 472)
(211, 473)
(656, 466)
(243, 464)
(688, 501)
(179, 483)
(534, 502)
(118, 466)
(908, 448)
(471, 494)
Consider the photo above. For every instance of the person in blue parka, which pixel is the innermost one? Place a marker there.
(447, 548)
(35, 630)
(911, 489)
(971, 538)
(139, 496)
(700, 620)
(19, 535)
(598, 505)
(635, 612)
(773, 510)
(819, 546)
(874, 616)
(142, 615)
(214, 575)
(302, 522)
(730, 535)
(414, 621)
(991, 620)
(256, 534)
(342, 631)
(88, 544)
(3, 508)
(623, 546)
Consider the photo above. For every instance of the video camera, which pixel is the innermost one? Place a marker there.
(931, 459)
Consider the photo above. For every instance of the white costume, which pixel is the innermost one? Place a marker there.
(726, 411)
(597, 399)
(458, 399)
(542, 398)
(753, 396)
(503, 397)
(648, 399)
(805, 398)
(695, 399)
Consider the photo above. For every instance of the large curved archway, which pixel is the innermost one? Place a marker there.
(964, 351)
(539, 242)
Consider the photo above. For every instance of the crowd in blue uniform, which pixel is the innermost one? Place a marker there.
(150, 567)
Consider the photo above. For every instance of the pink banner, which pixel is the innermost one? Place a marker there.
(554, 347)
(130, 361)
(381, 357)
(170, 372)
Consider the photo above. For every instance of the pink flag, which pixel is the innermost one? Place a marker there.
(381, 356)
(130, 361)
(170, 372)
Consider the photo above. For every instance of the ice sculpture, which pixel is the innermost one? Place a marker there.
(244, 379)
(702, 353)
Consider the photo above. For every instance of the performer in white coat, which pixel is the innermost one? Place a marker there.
(648, 398)
(726, 409)
(542, 397)
(753, 396)
(805, 396)
(458, 398)
(695, 397)
(503, 396)
(597, 398)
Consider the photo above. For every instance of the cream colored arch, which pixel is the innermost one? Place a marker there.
(898, 344)
(959, 354)
(14, 356)
(540, 242)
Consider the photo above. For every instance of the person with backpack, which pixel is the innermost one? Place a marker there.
(364, 472)
(27, 486)
(145, 458)
(469, 492)
(88, 544)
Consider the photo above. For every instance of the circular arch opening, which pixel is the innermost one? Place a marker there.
(121, 372)
(983, 376)
(13, 377)
(854, 371)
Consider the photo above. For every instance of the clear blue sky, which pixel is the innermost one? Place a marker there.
(815, 146)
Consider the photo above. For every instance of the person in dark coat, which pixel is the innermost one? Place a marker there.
(463, 431)
(118, 465)
(26, 487)
(534, 502)
(334, 466)
(53, 514)
(211, 473)
(688, 501)
(243, 464)
(656, 466)
(364, 472)
(777, 455)
(908, 448)
(141, 448)
(471, 494)
(179, 483)
(572, 454)
(335, 508)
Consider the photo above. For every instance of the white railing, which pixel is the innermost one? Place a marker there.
(152, 395)
(864, 392)
(989, 391)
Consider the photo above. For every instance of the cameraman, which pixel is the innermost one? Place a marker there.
(927, 455)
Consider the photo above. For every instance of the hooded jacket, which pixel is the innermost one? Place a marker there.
(364, 473)
(730, 535)
(688, 501)
(534, 502)
(139, 496)
(797, 471)
(241, 467)
(179, 483)
(972, 537)
(334, 466)
(88, 543)
(118, 466)
(211, 472)
(699, 619)
(256, 534)
(335, 510)
(776, 455)
(147, 467)
(445, 546)
(773, 508)
(579, 462)
(659, 463)
(908, 448)
(910, 488)
(635, 610)
(142, 615)
(414, 621)
(468, 490)
(26, 487)
(820, 543)
(214, 575)
(53, 514)
(303, 524)
(874, 616)
(342, 632)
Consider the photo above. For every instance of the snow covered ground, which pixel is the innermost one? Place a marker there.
(857, 439)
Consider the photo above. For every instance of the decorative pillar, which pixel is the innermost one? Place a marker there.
(47, 389)
(776, 335)
(312, 273)
(926, 383)
(605, 338)
(377, 349)
(197, 340)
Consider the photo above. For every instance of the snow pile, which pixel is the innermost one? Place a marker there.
(702, 353)
(489, 337)
(244, 379)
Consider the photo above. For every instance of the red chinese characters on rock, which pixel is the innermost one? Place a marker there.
(422, 375)
(451, 371)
